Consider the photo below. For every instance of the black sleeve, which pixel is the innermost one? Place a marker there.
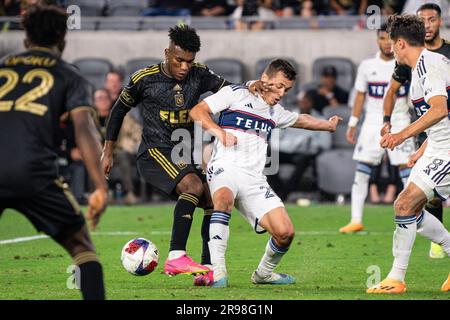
(78, 93)
(210, 80)
(402, 73)
(130, 97)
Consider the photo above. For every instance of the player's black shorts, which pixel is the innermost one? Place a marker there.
(158, 169)
(52, 210)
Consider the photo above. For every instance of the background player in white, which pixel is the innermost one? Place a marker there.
(235, 171)
(430, 176)
(431, 15)
(371, 81)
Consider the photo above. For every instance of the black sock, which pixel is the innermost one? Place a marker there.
(91, 276)
(206, 258)
(182, 220)
(435, 209)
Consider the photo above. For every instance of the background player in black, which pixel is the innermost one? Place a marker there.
(431, 15)
(37, 87)
(167, 92)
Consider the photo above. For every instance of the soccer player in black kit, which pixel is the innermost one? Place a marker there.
(431, 15)
(36, 88)
(167, 92)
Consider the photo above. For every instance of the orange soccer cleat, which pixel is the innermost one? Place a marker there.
(389, 286)
(446, 286)
(351, 227)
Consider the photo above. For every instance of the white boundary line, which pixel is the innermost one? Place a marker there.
(128, 233)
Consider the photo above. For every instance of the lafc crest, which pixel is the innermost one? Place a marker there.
(179, 97)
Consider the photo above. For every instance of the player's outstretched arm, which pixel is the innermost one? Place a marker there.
(388, 105)
(436, 113)
(306, 121)
(201, 113)
(118, 113)
(88, 140)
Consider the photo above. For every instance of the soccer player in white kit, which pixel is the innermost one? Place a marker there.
(235, 171)
(372, 79)
(430, 176)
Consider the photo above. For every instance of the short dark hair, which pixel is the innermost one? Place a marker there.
(430, 6)
(185, 37)
(45, 25)
(383, 28)
(281, 65)
(409, 27)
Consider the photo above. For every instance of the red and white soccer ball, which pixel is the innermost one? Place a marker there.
(140, 256)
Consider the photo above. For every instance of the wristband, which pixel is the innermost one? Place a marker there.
(353, 121)
(387, 119)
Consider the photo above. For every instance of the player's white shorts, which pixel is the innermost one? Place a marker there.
(368, 148)
(432, 176)
(253, 195)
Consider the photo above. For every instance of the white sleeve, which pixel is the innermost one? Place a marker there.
(361, 79)
(284, 118)
(221, 100)
(434, 84)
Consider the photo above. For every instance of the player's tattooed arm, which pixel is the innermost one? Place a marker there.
(436, 113)
(306, 121)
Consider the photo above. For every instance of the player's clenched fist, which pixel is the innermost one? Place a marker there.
(107, 163)
(391, 140)
(334, 120)
(228, 139)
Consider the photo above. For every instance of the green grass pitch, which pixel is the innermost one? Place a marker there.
(326, 264)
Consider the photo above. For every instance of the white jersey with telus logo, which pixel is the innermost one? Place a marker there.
(431, 77)
(373, 77)
(251, 120)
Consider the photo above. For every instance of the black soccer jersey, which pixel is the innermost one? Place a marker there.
(166, 102)
(402, 73)
(36, 88)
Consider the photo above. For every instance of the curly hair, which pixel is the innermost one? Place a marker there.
(45, 25)
(408, 27)
(185, 37)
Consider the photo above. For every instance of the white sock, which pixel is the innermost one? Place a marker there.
(431, 228)
(360, 189)
(404, 236)
(174, 254)
(404, 175)
(271, 258)
(219, 232)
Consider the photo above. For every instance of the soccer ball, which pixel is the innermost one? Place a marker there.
(140, 256)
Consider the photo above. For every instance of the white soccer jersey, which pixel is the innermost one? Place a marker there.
(431, 77)
(251, 120)
(373, 77)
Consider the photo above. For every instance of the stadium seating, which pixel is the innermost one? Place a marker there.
(291, 99)
(230, 69)
(133, 65)
(344, 67)
(126, 8)
(335, 170)
(94, 69)
(90, 8)
(339, 139)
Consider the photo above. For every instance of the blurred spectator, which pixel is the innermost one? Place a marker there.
(125, 154)
(211, 8)
(260, 9)
(304, 8)
(103, 104)
(384, 177)
(9, 7)
(300, 148)
(113, 83)
(173, 8)
(393, 6)
(349, 7)
(328, 92)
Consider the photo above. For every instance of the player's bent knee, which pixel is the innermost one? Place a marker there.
(77, 243)
(402, 206)
(223, 200)
(284, 237)
(192, 184)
